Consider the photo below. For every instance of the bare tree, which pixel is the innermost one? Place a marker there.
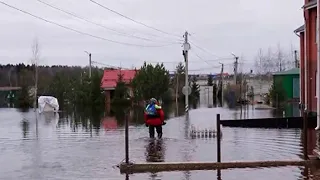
(258, 62)
(280, 62)
(260, 59)
(269, 62)
(274, 60)
(35, 61)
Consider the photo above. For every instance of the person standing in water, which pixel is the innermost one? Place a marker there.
(154, 118)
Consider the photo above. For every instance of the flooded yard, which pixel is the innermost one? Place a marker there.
(66, 148)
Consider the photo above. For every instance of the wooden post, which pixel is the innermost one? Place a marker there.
(126, 138)
(218, 139)
(305, 135)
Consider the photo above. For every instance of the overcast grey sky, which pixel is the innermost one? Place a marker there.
(219, 27)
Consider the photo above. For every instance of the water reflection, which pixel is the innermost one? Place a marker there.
(25, 128)
(91, 121)
(155, 151)
(109, 123)
(49, 118)
(219, 174)
(76, 145)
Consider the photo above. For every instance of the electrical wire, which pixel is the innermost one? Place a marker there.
(205, 60)
(197, 55)
(138, 22)
(175, 62)
(117, 67)
(91, 22)
(204, 50)
(109, 66)
(80, 32)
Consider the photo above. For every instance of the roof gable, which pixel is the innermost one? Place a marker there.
(299, 29)
(110, 77)
(288, 72)
(310, 4)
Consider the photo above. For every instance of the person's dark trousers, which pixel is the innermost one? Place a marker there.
(158, 129)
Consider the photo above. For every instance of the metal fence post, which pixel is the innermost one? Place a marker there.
(218, 139)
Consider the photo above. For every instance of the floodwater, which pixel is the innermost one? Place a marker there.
(59, 147)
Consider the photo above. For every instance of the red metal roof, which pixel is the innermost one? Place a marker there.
(110, 77)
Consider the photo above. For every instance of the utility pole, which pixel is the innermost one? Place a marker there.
(36, 84)
(90, 63)
(296, 58)
(221, 76)
(235, 68)
(186, 48)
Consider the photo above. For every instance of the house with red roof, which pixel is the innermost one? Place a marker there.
(109, 82)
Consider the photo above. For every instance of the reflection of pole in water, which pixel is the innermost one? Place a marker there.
(126, 139)
(305, 172)
(187, 124)
(177, 109)
(90, 121)
(219, 174)
(127, 177)
(36, 124)
(187, 175)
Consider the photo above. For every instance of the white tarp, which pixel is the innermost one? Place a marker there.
(48, 104)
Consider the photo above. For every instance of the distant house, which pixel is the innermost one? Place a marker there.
(8, 94)
(218, 75)
(109, 83)
(290, 81)
(308, 56)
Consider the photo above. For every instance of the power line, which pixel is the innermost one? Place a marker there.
(204, 50)
(132, 19)
(173, 62)
(196, 70)
(117, 67)
(108, 65)
(164, 62)
(201, 58)
(91, 22)
(77, 31)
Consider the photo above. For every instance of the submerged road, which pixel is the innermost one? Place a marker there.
(67, 148)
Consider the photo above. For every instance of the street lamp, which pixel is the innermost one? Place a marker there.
(89, 62)
(235, 67)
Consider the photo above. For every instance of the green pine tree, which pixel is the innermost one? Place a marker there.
(24, 100)
(214, 91)
(195, 89)
(277, 94)
(210, 80)
(121, 92)
(151, 81)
